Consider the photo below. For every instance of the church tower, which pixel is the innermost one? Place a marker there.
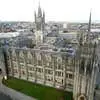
(86, 69)
(39, 19)
(39, 25)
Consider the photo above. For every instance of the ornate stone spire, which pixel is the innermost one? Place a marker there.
(39, 19)
(35, 16)
(89, 24)
(44, 16)
(89, 29)
(39, 11)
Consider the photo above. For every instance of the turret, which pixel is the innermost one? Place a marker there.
(43, 16)
(39, 11)
(39, 19)
(89, 25)
(35, 16)
(39, 25)
(86, 70)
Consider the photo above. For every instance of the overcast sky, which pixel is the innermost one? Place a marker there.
(56, 10)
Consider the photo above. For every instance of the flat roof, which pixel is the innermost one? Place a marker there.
(9, 34)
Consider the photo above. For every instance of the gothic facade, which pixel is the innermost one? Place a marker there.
(76, 73)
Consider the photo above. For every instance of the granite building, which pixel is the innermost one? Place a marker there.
(70, 72)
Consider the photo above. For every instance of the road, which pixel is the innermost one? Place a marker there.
(4, 97)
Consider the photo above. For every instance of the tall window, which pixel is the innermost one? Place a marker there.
(48, 71)
(31, 68)
(49, 78)
(31, 74)
(21, 57)
(40, 70)
(58, 73)
(59, 61)
(60, 66)
(23, 72)
(69, 61)
(15, 71)
(14, 57)
(39, 61)
(29, 60)
(71, 76)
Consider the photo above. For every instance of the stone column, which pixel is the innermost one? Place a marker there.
(18, 62)
(2, 63)
(43, 65)
(88, 86)
(12, 64)
(93, 81)
(64, 65)
(25, 59)
(53, 64)
(35, 65)
(76, 80)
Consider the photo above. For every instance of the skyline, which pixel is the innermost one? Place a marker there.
(62, 10)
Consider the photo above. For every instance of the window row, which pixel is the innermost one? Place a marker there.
(39, 61)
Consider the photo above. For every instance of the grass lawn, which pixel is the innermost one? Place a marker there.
(36, 90)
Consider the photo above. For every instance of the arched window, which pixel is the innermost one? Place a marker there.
(38, 56)
(14, 57)
(39, 59)
(21, 57)
(48, 60)
(82, 97)
(59, 61)
(48, 57)
(29, 56)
